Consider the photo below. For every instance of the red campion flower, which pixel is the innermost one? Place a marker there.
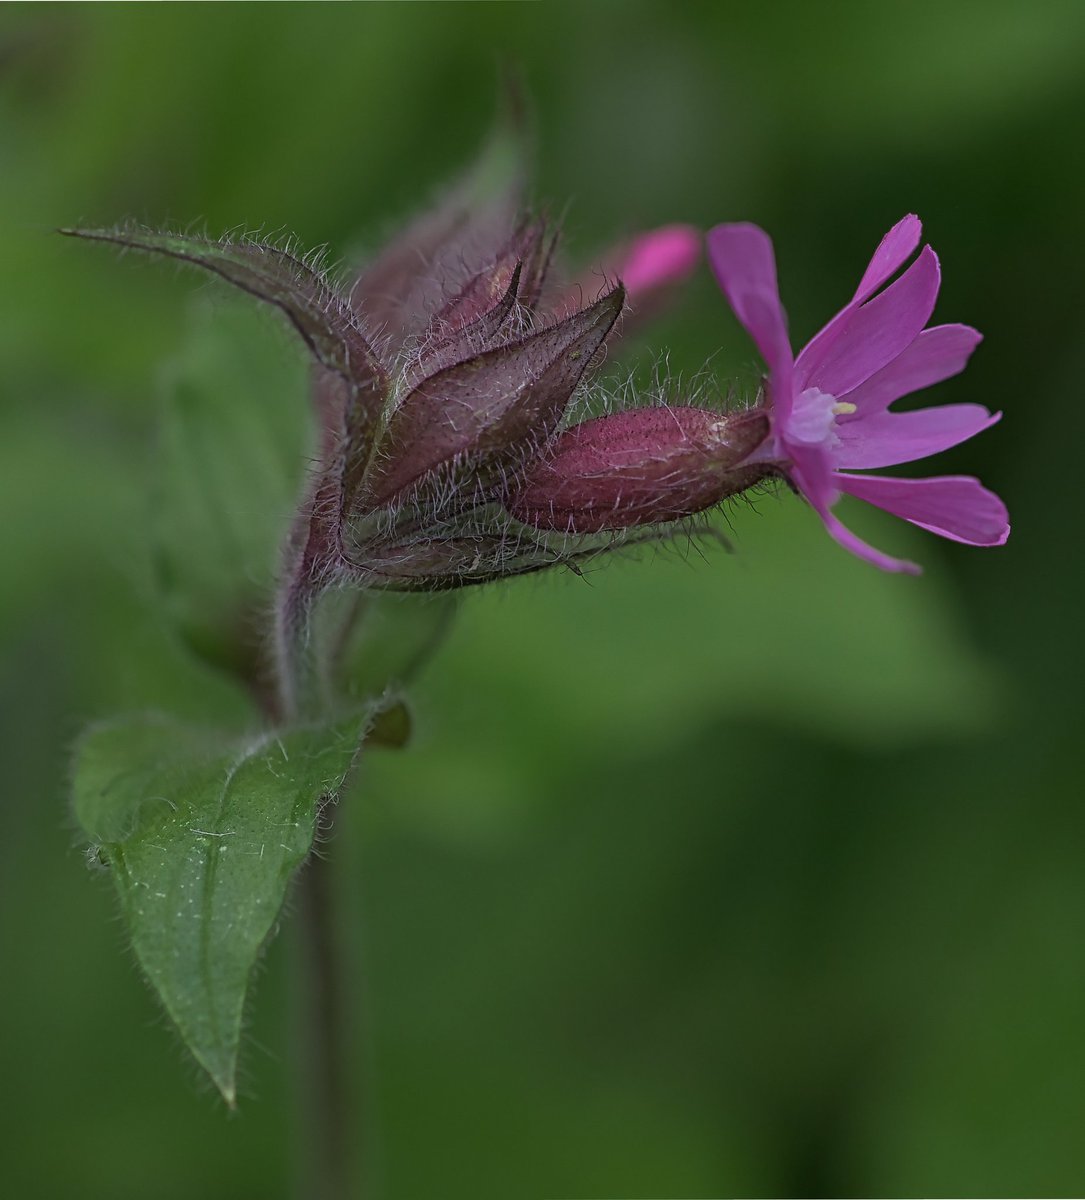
(829, 406)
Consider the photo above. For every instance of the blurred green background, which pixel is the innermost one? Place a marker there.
(760, 874)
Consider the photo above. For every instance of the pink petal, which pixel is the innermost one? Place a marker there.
(850, 541)
(875, 333)
(938, 353)
(884, 439)
(954, 506)
(812, 473)
(892, 253)
(659, 257)
(745, 267)
(808, 475)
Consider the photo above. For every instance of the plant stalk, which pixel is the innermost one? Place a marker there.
(330, 1120)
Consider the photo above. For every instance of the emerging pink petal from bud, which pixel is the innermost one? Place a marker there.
(650, 266)
(640, 467)
(659, 258)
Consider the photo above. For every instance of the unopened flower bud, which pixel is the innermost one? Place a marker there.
(639, 468)
(478, 316)
(513, 394)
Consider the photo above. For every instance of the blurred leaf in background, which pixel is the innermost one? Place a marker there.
(759, 873)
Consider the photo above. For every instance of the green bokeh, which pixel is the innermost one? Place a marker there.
(762, 874)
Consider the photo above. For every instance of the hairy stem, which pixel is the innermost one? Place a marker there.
(290, 634)
(327, 1116)
(331, 1120)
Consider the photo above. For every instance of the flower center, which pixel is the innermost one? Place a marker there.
(813, 415)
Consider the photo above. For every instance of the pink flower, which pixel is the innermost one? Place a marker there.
(830, 404)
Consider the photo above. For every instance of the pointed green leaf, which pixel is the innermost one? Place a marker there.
(296, 286)
(203, 836)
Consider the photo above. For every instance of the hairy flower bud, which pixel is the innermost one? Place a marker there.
(640, 467)
(491, 402)
(441, 374)
(481, 314)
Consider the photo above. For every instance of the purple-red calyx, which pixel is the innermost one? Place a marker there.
(640, 467)
(829, 405)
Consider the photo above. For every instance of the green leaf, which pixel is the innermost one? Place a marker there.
(297, 286)
(203, 835)
(231, 441)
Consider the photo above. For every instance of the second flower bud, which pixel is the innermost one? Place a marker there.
(640, 467)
